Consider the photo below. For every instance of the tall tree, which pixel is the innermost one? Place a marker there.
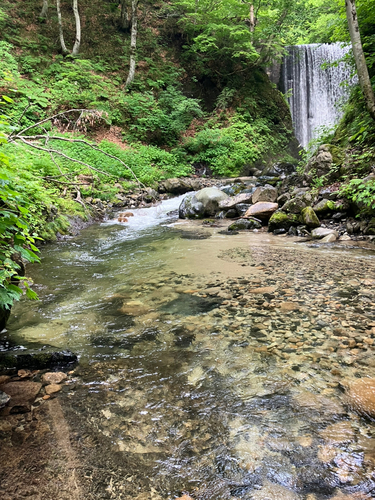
(360, 61)
(77, 42)
(44, 12)
(61, 31)
(133, 43)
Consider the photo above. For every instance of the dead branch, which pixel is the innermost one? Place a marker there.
(26, 139)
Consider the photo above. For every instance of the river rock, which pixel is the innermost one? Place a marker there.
(54, 377)
(320, 232)
(340, 432)
(281, 220)
(261, 210)
(178, 186)
(52, 389)
(22, 395)
(235, 200)
(310, 218)
(265, 193)
(204, 203)
(319, 165)
(323, 206)
(243, 224)
(361, 395)
(294, 206)
(330, 238)
(281, 169)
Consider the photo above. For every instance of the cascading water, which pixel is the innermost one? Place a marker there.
(315, 86)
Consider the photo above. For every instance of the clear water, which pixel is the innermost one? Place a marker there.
(209, 364)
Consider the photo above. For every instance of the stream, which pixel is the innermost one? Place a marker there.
(210, 365)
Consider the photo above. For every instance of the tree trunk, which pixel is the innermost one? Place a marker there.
(133, 44)
(125, 20)
(61, 33)
(44, 12)
(77, 42)
(359, 57)
(252, 18)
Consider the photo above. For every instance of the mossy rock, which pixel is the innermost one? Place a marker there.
(282, 220)
(309, 218)
(37, 360)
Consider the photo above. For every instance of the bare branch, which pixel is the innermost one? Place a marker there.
(81, 141)
(88, 111)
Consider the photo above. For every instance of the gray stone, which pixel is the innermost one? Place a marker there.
(235, 200)
(4, 398)
(321, 232)
(319, 165)
(265, 193)
(330, 238)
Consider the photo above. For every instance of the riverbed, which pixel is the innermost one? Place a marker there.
(211, 365)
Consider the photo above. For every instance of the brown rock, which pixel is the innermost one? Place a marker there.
(265, 194)
(22, 395)
(24, 373)
(261, 210)
(289, 306)
(262, 290)
(184, 497)
(51, 389)
(340, 432)
(361, 394)
(4, 379)
(54, 377)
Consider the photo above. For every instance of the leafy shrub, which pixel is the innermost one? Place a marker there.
(362, 193)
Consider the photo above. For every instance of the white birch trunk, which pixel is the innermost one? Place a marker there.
(359, 57)
(252, 18)
(77, 42)
(44, 11)
(61, 33)
(133, 44)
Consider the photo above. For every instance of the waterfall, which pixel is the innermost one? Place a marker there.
(315, 93)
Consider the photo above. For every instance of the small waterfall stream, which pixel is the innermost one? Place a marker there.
(316, 91)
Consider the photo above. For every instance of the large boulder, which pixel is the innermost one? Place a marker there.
(310, 218)
(281, 220)
(179, 186)
(204, 203)
(261, 210)
(235, 200)
(265, 193)
(324, 206)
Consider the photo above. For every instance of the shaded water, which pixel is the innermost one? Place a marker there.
(211, 365)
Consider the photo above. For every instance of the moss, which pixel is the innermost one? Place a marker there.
(281, 220)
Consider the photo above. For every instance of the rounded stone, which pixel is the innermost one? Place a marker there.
(361, 394)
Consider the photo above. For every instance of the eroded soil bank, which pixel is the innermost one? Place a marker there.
(211, 365)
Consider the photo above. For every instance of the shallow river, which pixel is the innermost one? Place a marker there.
(210, 365)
